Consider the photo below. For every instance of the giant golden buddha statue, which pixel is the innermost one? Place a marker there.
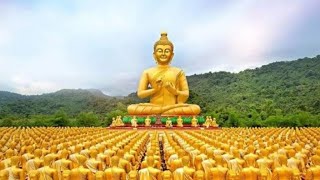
(166, 86)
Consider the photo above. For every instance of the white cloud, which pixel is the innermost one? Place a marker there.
(24, 85)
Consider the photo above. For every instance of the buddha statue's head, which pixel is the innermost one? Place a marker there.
(115, 161)
(150, 161)
(199, 175)
(133, 175)
(9, 153)
(282, 159)
(99, 175)
(185, 161)
(163, 50)
(218, 159)
(93, 153)
(315, 160)
(64, 154)
(33, 174)
(37, 153)
(167, 175)
(120, 153)
(15, 160)
(81, 160)
(48, 160)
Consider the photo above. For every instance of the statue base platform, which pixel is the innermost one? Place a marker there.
(159, 122)
(129, 127)
(161, 119)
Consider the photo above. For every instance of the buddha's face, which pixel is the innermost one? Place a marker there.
(163, 54)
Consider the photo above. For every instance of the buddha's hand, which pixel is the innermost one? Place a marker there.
(158, 85)
(171, 88)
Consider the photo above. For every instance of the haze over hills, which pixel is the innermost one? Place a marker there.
(279, 88)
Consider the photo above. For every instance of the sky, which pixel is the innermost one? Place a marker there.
(50, 45)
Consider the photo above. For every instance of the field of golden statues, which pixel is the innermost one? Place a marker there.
(101, 153)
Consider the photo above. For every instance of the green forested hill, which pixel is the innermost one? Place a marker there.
(71, 101)
(285, 86)
(276, 89)
(280, 93)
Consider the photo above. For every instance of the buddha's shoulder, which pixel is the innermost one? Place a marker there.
(176, 69)
(153, 69)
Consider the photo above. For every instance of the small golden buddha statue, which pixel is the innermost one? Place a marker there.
(75, 156)
(85, 151)
(314, 171)
(103, 158)
(128, 156)
(199, 175)
(99, 175)
(147, 121)
(133, 175)
(119, 121)
(63, 163)
(219, 172)
(166, 175)
(36, 162)
(208, 163)
(109, 151)
(92, 163)
(185, 172)
(214, 122)
(168, 123)
(150, 172)
(236, 164)
(4, 174)
(265, 164)
(134, 122)
(81, 172)
(169, 87)
(282, 172)
(250, 172)
(194, 122)
(46, 172)
(7, 161)
(27, 156)
(180, 122)
(123, 163)
(294, 163)
(207, 123)
(14, 172)
(113, 123)
(114, 172)
(157, 162)
(33, 175)
(175, 161)
(250, 154)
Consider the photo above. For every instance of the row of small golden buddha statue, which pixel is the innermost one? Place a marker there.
(98, 153)
(117, 122)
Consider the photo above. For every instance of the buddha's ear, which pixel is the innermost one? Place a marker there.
(171, 57)
(155, 58)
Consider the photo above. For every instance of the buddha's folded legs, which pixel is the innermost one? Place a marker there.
(144, 109)
(152, 109)
(190, 109)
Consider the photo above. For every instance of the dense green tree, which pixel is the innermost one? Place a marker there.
(60, 118)
(7, 122)
(88, 119)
